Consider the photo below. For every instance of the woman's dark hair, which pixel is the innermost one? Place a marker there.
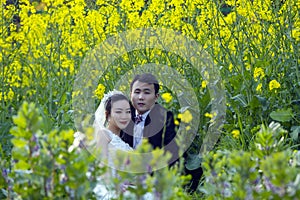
(146, 78)
(110, 101)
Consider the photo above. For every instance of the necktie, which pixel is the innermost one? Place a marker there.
(138, 119)
(138, 131)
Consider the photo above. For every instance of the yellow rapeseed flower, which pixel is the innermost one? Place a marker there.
(188, 128)
(274, 85)
(186, 116)
(258, 73)
(99, 92)
(235, 133)
(208, 115)
(204, 84)
(167, 97)
(10, 94)
(258, 88)
(230, 67)
(76, 93)
(206, 75)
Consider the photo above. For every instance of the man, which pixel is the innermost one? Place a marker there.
(150, 119)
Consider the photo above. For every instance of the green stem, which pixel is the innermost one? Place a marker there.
(241, 130)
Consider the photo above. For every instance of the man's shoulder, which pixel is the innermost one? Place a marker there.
(159, 112)
(158, 107)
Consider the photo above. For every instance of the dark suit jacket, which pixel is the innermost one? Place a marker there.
(159, 129)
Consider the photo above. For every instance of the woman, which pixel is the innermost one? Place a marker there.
(112, 115)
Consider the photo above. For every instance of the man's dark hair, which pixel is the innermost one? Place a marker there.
(146, 78)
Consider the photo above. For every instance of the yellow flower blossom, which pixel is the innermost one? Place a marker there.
(7, 95)
(209, 115)
(204, 84)
(206, 75)
(230, 67)
(167, 97)
(188, 128)
(99, 92)
(51, 43)
(258, 73)
(274, 85)
(247, 66)
(186, 116)
(258, 88)
(235, 133)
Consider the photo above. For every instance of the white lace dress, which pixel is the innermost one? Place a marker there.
(103, 191)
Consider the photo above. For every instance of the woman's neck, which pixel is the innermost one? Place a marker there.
(114, 129)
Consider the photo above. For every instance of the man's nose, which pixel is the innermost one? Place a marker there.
(141, 96)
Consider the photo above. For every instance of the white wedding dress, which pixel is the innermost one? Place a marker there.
(102, 190)
(106, 191)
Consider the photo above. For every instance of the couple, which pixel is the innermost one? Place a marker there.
(121, 124)
(132, 121)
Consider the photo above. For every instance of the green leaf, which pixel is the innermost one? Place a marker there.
(19, 143)
(282, 115)
(295, 132)
(240, 99)
(20, 153)
(263, 102)
(22, 165)
(20, 120)
(193, 161)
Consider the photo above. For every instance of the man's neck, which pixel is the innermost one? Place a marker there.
(138, 113)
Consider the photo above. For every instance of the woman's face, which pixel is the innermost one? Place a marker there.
(120, 114)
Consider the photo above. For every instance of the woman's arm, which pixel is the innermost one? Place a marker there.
(102, 141)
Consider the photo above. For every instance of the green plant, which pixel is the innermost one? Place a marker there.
(269, 171)
(42, 166)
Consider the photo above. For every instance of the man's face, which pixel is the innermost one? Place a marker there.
(143, 96)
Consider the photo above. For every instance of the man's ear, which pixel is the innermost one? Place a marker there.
(156, 96)
(130, 95)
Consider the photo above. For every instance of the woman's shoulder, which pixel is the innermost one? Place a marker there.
(104, 133)
(120, 144)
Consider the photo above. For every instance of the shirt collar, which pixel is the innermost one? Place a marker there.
(144, 115)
